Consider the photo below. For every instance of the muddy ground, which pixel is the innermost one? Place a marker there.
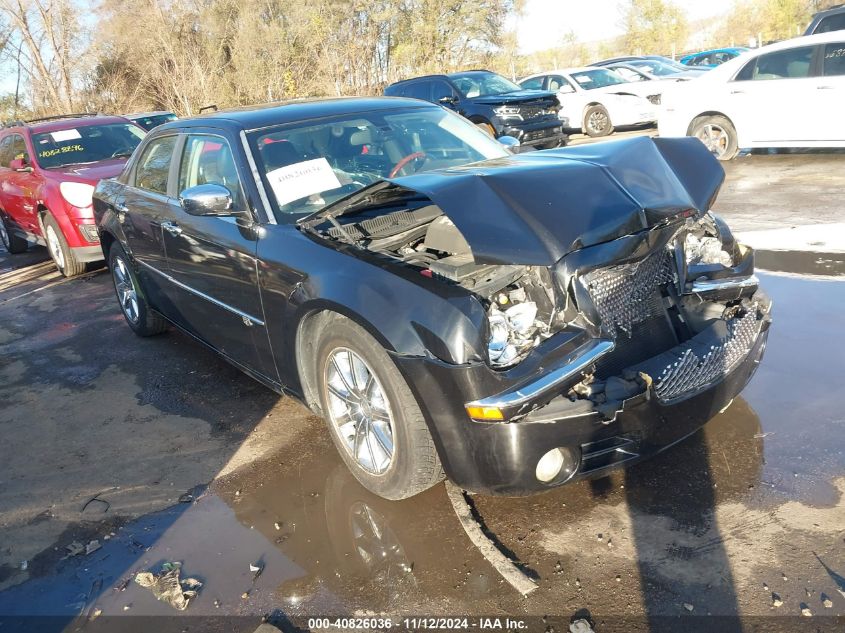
(160, 451)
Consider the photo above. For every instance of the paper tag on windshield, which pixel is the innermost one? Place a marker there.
(65, 135)
(299, 180)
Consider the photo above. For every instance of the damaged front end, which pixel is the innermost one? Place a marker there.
(621, 314)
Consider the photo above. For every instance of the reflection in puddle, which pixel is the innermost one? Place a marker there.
(801, 262)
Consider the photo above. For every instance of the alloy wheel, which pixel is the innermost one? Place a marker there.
(127, 295)
(359, 410)
(55, 248)
(715, 139)
(597, 122)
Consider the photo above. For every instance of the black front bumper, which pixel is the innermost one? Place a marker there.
(530, 133)
(500, 458)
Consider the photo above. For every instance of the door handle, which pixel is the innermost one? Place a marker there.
(824, 87)
(737, 92)
(172, 228)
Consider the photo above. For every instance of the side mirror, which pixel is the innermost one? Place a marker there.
(566, 89)
(207, 199)
(19, 164)
(509, 142)
(448, 101)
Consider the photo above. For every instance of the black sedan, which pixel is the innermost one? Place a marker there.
(516, 322)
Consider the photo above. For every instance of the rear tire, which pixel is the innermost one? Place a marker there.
(597, 121)
(377, 426)
(11, 242)
(143, 320)
(718, 135)
(61, 253)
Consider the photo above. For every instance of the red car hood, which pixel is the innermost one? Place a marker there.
(91, 173)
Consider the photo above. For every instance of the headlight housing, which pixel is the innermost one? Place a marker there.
(710, 242)
(513, 332)
(77, 194)
(507, 112)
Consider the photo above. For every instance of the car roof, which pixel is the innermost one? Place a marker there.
(726, 49)
(839, 8)
(261, 116)
(72, 122)
(804, 40)
(140, 115)
(561, 71)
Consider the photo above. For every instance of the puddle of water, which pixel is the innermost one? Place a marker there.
(801, 262)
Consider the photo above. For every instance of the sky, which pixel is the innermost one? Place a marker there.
(545, 22)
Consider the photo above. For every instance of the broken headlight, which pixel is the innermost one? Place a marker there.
(513, 332)
(709, 241)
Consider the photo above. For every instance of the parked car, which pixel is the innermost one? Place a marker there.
(712, 58)
(832, 19)
(594, 100)
(494, 103)
(149, 120)
(653, 66)
(515, 321)
(787, 94)
(48, 170)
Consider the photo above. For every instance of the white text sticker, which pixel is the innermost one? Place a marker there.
(296, 181)
(65, 135)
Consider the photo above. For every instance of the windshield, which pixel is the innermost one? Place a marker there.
(86, 144)
(598, 78)
(658, 67)
(482, 84)
(149, 122)
(310, 165)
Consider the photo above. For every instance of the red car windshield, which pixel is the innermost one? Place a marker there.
(86, 144)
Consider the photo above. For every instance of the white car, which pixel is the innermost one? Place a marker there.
(788, 94)
(650, 75)
(595, 100)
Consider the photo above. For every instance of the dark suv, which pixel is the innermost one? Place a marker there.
(832, 19)
(48, 170)
(494, 103)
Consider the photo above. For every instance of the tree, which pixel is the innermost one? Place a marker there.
(654, 26)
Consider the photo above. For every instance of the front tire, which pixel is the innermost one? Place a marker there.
(11, 242)
(597, 121)
(61, 253)
(133, 304)
(718, 135)
(373, 417)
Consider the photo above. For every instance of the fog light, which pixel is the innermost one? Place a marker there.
(558, 461)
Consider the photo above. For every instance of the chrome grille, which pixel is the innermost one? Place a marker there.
(691, 371)
(532, 111)
(624, 295)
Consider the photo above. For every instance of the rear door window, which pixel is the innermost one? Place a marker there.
(154, 165)
(833, 64)
(419, 90)
(6, 151)
(789, 64)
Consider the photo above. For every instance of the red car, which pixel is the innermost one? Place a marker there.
(48, 170)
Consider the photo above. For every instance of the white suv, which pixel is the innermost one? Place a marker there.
(788, 94)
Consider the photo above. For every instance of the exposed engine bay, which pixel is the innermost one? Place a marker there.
(647, 306)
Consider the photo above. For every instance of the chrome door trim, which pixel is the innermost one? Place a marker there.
(247, 318)
(268, 210)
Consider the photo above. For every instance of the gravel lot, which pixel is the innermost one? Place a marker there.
(104, 432)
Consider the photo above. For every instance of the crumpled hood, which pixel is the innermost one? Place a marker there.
(536, 207)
